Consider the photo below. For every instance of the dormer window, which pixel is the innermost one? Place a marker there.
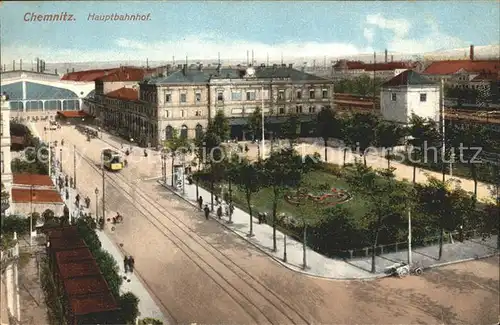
(220, 96)
(393, 97)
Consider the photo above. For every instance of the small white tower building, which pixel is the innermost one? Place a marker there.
(410, 93)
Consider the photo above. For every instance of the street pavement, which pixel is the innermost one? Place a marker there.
(199, 272)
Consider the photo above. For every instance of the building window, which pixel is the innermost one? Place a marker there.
(282, 110)
(312, 94)
(299, 94)
(312, 109)
(182, 113)
(324, 93)
(236, 95)
(3, 167)
(423, 97)
(183, 98)
(299, 109)
(220, 96)
(197, 113)
(167, 114)
(250, 95)
(281, 94)
(393, 97)
(198, 97)
(168, 98)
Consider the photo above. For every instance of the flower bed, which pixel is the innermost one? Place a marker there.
(334, 197)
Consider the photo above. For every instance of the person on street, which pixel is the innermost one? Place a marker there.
(131, 262)
(200, 202)
(219, 211)
(126, 263)
(206, 209)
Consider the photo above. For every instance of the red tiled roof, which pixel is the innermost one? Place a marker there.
(32, 179)
(124, 93)
(72, 114)
(358, 65)
(87, 75)
(73, 256)
(127, 74)
(78, 269)
(452, 66)
(70, 243)
(70, 231)
(86, 285)
(95, 303)
(40, 196)
(16, 140)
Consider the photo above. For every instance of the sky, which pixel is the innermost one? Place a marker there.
(202, 29)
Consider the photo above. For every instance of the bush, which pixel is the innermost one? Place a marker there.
(110, 270)
(333, 169)
(17, 224)
(129, 307)
(150, 321)
(53, 300)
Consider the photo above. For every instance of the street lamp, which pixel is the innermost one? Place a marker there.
(60, 160)
(32, 196)
(96, 203)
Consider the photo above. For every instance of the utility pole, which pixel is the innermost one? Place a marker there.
(103, 190)
(263, 131)
(74, 166)
(443, 151)
(374, 75)
(409, 237)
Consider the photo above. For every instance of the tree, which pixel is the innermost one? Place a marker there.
(5, 200)
(254, 123)
(219, 125)
(388, 200)
(447, 209)
(48, 215)
(291, 129)
(281, 171)
(129, 306)
(175, 146)
(248, 178)
(423, 134)
(388, 135)
(327, 126)
(360, 131)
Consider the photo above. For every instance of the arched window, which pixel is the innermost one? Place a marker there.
(169, 132)
(198, 131)
(184, 132)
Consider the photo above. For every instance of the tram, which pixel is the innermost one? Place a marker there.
(112, 160)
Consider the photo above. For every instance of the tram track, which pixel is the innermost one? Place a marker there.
(254, 296)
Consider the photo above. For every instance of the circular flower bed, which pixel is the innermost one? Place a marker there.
(334, 197)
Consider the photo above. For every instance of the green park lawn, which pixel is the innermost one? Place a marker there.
(263, 200)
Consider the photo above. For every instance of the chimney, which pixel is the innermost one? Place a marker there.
(21, 64)
(14, 65)
(219, 68)
(392, 58)
(200, 67)
(290, 65)
(385, 55)
(275, 66)
(67, 70)
(37, 65)
(73, 70)
(179, 66)
(471, 53)
(184, 69)
(55, 71)
(283, 65)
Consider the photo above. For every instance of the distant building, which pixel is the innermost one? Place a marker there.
(385, 70)
(482, 75)
(409, 93)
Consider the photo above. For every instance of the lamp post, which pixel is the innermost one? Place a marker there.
(32, 195)
(74, 166)
(103, 189)
(96, 203)
(262, 151)
(60, 160)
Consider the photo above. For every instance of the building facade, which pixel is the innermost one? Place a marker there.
(385, 70)
(407, 94)
(5, 146)
(187, 99)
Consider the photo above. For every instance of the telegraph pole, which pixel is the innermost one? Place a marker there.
(443, 152)
(74, 166)
(103, 190)
(263, 131)
(409, 237)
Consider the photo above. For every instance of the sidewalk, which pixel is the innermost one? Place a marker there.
(324, 267)
(147, 306)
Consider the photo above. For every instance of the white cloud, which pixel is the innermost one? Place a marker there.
(369, 34)
(400, 42)
(195, 47)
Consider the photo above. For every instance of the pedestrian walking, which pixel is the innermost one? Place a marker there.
(207, 211)
(77, 198)
(131, 265)
(219, 211)
(200, 202)
(67, 194)
(231, 209)
(126, 263)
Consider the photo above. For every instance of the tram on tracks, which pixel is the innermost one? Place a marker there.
(112, 160)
